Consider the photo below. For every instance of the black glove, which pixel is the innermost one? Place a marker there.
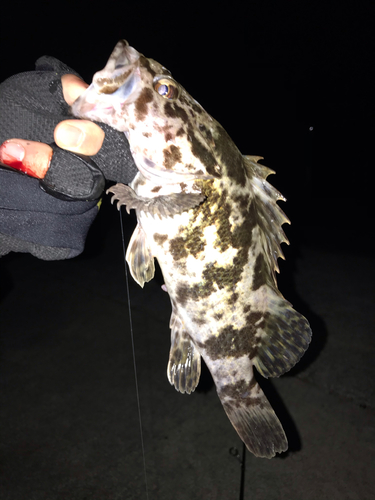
(31, 105)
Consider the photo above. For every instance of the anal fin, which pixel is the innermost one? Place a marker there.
(184, 366)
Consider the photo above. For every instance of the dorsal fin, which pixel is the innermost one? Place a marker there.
(271, 216)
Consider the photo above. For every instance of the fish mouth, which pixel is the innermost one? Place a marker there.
(118, 82)
(122, 55)
(120, 77)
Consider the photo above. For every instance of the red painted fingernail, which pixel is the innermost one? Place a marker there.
(12, 154)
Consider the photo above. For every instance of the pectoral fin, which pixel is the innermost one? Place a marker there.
(162, 206)
(184, 366)
(139, 257)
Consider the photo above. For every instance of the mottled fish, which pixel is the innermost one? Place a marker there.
(210, 218)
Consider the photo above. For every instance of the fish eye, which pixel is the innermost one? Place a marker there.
(166, 88)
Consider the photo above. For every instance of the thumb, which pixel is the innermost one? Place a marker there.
(79, 136)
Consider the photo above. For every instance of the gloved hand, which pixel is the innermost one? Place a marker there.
(31, 220)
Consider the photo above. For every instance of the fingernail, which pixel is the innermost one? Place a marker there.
(11, 152)
(69, 136)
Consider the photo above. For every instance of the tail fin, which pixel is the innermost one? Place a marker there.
(253, 418)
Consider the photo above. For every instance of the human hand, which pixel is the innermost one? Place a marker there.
(35, 119)
(34, 106)
(79, 136)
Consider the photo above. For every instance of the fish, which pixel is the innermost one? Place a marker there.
(211, 219)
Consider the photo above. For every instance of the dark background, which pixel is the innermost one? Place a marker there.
(292, 82)
(269, 72)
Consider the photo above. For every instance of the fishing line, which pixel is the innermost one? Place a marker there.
(243, 464)
(235, 453)
(133, 349)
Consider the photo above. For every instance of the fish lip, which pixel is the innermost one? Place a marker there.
(122, 55)
(121, 72)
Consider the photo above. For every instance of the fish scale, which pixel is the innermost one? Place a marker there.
(211, 219)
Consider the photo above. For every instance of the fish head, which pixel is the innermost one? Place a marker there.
(171, 136)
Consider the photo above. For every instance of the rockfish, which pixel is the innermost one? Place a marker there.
(210, 218)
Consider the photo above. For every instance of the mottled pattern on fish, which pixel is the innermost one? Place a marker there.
(210, 218)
